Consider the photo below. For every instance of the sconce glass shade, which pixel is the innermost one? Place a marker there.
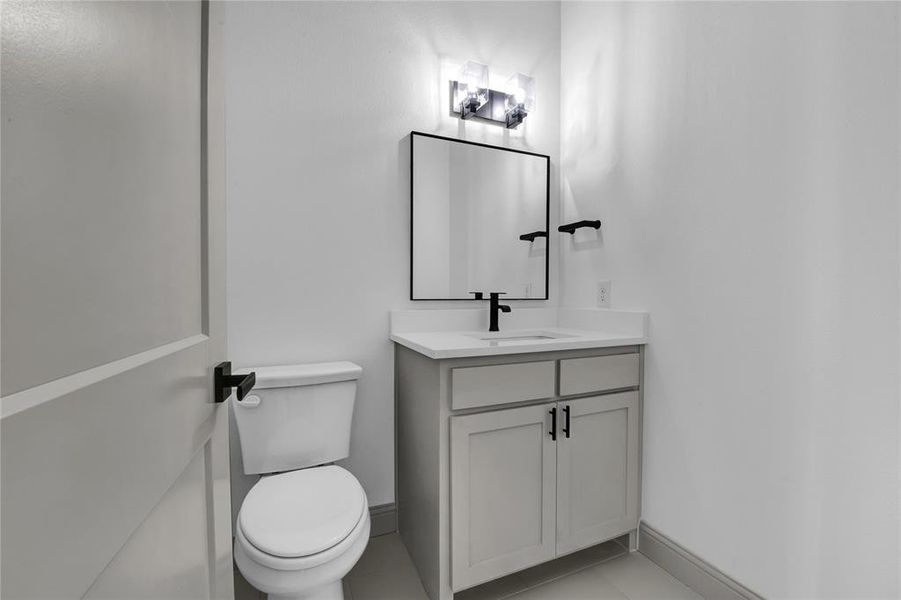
(521, 93)
(472, 86)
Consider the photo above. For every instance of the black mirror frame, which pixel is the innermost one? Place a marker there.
(547, 214)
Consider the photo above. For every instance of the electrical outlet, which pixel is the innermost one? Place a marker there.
(604, 294)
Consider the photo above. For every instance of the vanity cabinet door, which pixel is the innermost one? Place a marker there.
(503, 493)
(597, 470)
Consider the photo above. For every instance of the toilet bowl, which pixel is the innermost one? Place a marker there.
(305, 523)
(299, 533)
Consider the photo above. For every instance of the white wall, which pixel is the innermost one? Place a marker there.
(320, 100)
(744, 159)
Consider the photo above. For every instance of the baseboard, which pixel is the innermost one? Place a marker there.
(689, 568)
(383, 519)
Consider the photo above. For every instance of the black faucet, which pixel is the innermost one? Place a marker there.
(494, 297)
(492, 310)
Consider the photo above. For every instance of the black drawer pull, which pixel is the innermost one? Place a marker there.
(566, 421)
(553, 430)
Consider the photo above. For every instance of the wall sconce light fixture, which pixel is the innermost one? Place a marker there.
(472, 98)
(471, 91)
(520, 99)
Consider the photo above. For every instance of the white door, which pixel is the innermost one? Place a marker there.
(114, 457)
(597, 470)
(503, 503)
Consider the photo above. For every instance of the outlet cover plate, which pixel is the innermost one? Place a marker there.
(604, 294)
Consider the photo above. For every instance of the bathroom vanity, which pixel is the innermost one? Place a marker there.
(514, 448)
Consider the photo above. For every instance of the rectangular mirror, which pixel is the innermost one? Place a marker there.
(480, 220)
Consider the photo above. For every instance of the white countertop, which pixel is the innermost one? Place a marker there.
(456, 344)
(456, 333)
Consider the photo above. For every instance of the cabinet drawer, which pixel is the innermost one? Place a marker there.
(501, 384)
(598, 373)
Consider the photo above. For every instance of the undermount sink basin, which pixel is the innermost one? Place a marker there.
(519, 337)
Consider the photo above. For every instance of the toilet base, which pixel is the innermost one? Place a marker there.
(329, 591)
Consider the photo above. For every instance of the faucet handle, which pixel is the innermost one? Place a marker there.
(478, 295)
(497, 294)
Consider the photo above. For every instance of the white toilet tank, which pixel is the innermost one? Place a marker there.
(296, 416)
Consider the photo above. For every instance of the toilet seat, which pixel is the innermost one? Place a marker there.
(302, 519)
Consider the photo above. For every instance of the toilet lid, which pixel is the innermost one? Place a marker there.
(302, 512)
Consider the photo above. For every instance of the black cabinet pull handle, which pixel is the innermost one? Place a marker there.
(566, 421)
(224, 381)
(553, 430)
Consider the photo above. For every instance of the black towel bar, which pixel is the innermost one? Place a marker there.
(530, 237)
(571, 227)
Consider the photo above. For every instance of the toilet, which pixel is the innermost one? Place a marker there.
(305, 523)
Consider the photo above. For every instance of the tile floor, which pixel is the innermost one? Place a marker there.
(605, 572)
